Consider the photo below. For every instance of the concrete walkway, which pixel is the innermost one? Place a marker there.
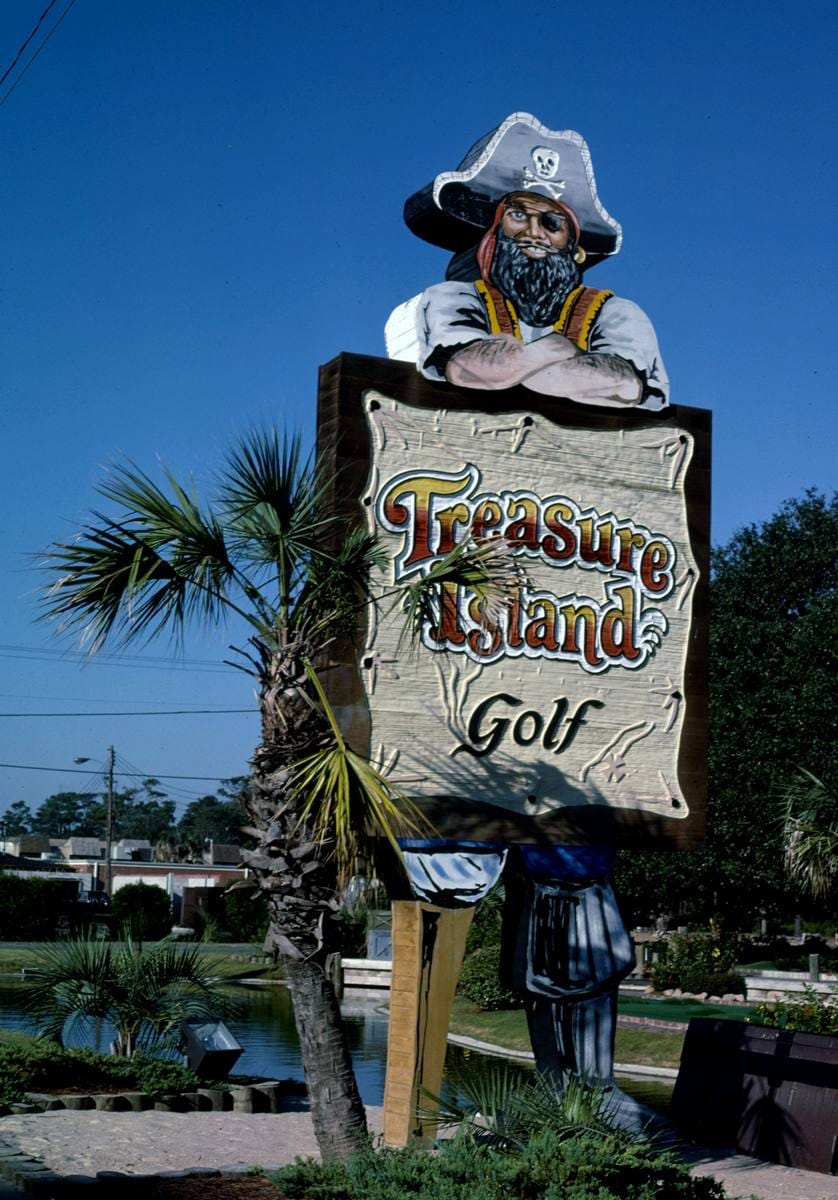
(84, 1143)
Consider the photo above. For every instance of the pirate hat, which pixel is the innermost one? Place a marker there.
(520, 155)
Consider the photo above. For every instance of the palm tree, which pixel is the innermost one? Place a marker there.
(266, 552)
(810, 834)
(144, 993)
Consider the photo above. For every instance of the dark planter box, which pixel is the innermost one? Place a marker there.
(769, 1092)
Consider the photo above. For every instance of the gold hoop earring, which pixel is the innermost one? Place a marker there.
(579, 256)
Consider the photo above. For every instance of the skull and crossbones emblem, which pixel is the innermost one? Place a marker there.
(546, 164)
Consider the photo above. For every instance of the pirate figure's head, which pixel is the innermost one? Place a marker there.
(521, 157)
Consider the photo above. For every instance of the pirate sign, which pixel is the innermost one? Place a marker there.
(523, 216)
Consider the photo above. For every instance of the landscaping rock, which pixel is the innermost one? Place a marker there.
(22, 1109)
(47, 1185)
(213, 1099)
(44, 1102)
(77, 1103)
(272, 1093)
(106, 1102)
(243, 1100)
(138, 1101)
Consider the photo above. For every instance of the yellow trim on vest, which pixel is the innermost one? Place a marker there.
(590, 316)
(486, 297)
(513, 316)
(591, 299)
(567, 308)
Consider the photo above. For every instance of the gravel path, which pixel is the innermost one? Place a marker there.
(82, 1143)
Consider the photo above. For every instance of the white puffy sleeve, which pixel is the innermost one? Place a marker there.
(622, 328)
(448, 317)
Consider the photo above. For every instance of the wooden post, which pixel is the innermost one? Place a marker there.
(428, 947)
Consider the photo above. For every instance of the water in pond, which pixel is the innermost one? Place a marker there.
(265, 1027)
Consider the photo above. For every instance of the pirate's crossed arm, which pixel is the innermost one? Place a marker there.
(552, 365)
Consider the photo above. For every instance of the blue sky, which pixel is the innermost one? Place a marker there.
(201, 203)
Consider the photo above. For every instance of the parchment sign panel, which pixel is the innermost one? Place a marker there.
(580, 695)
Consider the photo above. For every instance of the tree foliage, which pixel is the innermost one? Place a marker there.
(143, 910)
(16, 820)
(30, 907)
(773, 666)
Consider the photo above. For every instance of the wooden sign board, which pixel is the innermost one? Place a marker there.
(577, 711)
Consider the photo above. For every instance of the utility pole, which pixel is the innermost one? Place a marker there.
(109, 821)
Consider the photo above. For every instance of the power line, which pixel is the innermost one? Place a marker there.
(38, 51)
(19, 54)
(146, 662)
(171, 712)
(129, 774)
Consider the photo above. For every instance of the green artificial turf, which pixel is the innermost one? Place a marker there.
(655, 1008)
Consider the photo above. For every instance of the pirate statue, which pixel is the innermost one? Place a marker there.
(522, 215)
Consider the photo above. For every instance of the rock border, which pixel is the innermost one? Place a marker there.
(35, 1179)
(270, 1096)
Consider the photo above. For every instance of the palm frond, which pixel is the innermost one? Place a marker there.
(346, 801)
(484, 569)
(271, 499)
(143, 992)
(159, 564)
(809, 812)
(509, 1107)
(338, 584)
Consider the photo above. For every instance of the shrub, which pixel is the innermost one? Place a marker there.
(714, 983)
(143, 909)
(246, 916)
(588, 1166)
(811, 1013)
(42, 1066)
(157, 1076)
(480, 981)
(29, 908)
(488, 921)
(689, 959)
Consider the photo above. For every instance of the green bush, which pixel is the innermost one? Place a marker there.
(157, 1076)
(144, 909)
(591, 1165)
(480, 981)
(811, 1013)
(29, 908)
(714, 983)
(698, 962)
(245, 916)
(41, 1066)
(488, 919)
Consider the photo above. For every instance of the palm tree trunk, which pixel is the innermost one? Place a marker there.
(340, 1123)
(299, 877)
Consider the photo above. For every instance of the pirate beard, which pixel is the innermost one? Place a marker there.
(538, 287)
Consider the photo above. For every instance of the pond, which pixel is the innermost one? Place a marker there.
(265, 1027)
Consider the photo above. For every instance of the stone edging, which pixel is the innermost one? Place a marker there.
(264, 1097)
(35, 1179)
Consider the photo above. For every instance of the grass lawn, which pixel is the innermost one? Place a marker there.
(508, 1028)
(225, 961)
(13, 961)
